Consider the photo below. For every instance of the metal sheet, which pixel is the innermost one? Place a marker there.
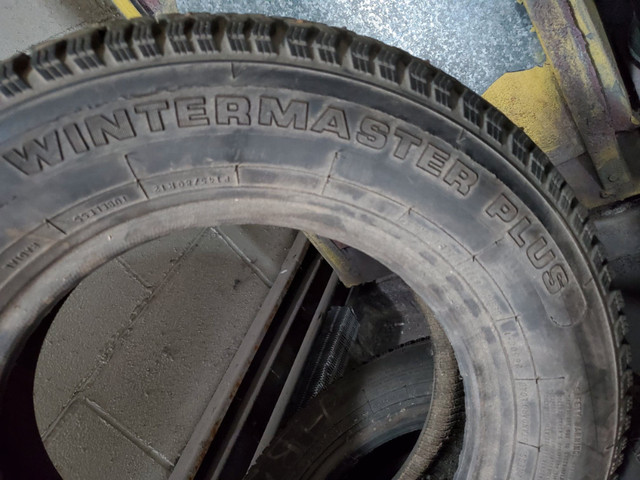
(583, 86)
(208, 424)
(475, 41)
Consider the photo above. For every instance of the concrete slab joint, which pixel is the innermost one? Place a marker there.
(138, 349)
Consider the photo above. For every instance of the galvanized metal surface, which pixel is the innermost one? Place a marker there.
(475, 41)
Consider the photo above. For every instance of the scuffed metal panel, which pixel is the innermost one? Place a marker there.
(589, 98)
(532, 100)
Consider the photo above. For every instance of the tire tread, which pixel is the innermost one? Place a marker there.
(123, 43)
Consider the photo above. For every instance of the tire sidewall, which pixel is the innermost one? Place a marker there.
(538, 367)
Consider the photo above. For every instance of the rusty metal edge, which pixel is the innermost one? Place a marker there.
(204, 431)
(572, 53)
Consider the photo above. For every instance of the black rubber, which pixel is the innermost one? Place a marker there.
(356, 416)
(446, 410)
(119, 134)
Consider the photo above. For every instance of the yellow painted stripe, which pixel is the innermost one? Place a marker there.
(127, 8)
(531, 100)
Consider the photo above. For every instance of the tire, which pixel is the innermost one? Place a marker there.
(123, 133)
(384, 400)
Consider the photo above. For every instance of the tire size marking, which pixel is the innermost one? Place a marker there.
(101, 209)
(49, 148)
(190, 180)
(190, 183)
(98, 206)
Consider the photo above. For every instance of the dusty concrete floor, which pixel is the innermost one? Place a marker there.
(138, 349)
